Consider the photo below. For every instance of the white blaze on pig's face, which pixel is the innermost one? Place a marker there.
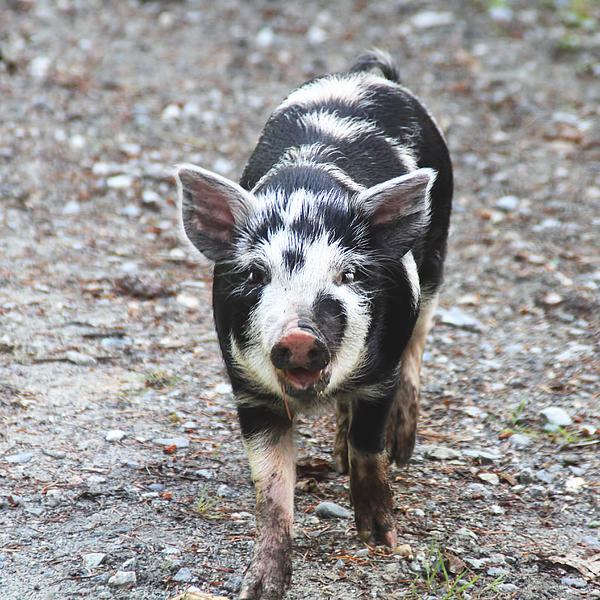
(306, 271)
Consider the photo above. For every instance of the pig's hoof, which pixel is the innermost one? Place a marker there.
(377, 527)
(267, 578)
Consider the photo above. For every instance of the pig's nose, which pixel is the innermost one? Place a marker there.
(299, 348)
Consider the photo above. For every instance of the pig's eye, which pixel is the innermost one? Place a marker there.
(257, 276)
(344, 277)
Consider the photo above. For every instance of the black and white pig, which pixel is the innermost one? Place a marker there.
(328, 259)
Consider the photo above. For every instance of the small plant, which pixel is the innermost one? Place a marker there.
(444, 585)
(204, 504)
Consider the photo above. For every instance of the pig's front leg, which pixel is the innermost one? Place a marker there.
(269, 442)
(369, 481)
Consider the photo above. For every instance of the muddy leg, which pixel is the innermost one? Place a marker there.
(402, 425)
(271, 455)
(340, 447)
(369, 482)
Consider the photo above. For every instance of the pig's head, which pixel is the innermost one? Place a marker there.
(297, 275)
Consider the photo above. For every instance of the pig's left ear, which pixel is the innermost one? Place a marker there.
(399, 208)
(211, 206)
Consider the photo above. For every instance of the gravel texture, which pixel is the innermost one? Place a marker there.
(122, 473)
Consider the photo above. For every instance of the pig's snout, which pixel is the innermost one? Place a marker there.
(300, 356)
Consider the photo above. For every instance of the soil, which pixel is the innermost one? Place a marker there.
(118, 433)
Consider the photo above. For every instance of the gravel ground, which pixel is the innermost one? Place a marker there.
(122, 473)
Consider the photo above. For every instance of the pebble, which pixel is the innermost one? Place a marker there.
(93, 560)
(183, 575)
(519, 441)
(21, 458)
(331, 510)
(482, 454)
(456, 317)
(119, 182)
(490, 478)
(442, 453)
(179, 442)
(129, 565)
(497, 572)
(416, 512)
(171, 113)
(576, 582)
(574, 484)
(81, 359)
(507, 588)
(39, 67)
(205, 473)
(555, 417)
(72, 207)
(429, 18)
(591, 542)
(224, 491)
(114, 435)
(123, 579)
(188, 300)
(507, 203)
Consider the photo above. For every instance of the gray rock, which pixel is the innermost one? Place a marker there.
(526, 475)
(81, 359)
(507, 588)
(330, 510)
(519, 441)
(507, 203)
(179, 442)
(22, 457)
(123, 579)
(93, 560)
(556, 416)
(183, 575)
(456, 317)
(497, 571)
(114, 435)
(224, 491)
(576, 582)
(442, 453)
(129, 565)
(591, 542)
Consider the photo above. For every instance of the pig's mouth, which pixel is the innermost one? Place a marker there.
(301, 378)
(303, 381)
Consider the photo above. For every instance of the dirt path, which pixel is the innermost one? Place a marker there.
(119, 449)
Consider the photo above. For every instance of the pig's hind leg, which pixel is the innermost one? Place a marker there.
(402, 424)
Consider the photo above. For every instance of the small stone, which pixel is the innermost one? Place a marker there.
(477, 563)
(428, 18)
(265, 37)
(39, 67)
(456, 317)
(316, 35)
(183, 575)
(77, 142)
(114, 435)
(192, 110)
(552, 299)
(490, 478)
(224, 491)
(72, 207)
(81, 359)
(123, 579)
(574, 484)
(576, 582)
(131, 210)
(21, 458)
(496, 509)
(556, 416)
(497, 572)
(179, 442)
(188, 300)
(507, 203)
(205, 473)
(416, 512)
(93, 560)
(129, 565)
(119, 182)
(331, 510)
(404, 550)
(442, 453)
(526, 475)
(223, 388)
(519, 441)
(506, 589)
(176, 254)
(591, 542)
(171, 113)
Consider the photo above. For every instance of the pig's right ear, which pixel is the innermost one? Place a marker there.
(211, 207)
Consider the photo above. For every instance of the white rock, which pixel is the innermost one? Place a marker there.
(123, 579)
(429, 18)
(223, 388)
(77, 142)
(574, 484)
(72, 207)
(179, 442)
(557, 416)
(265, 37)
(114, 435)
(171, 112)
(442, 453)
(188, 300)
(81, 359)
(176, 254)
(457, 317)
(316, 35)
(119, 182)
(93, 560)
(490, 478)
(507, 203)
(39, 67)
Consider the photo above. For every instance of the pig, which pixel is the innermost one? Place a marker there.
(328, 259)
